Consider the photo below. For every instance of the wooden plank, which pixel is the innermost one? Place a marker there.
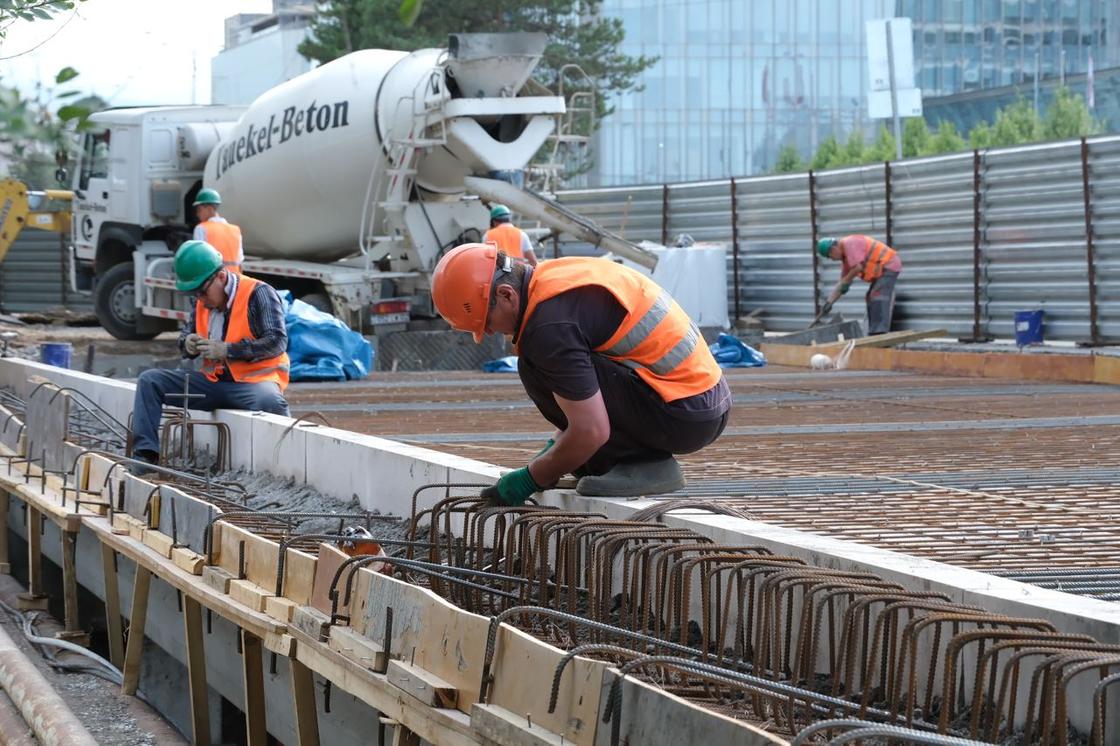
(5, 566)
(280, 608)
(311, 622)
(252, 664)
(136, 621)
(158, 541)
(425, 686)
(216, 578)
(249, 594)
(70, 581)
(261, 555)
(188, 560)
(445, 727)
(504, 728)
(355, 647)
(402, 736)
(196, 671)
(303, 698)
(34, 553)
(330, 559)
(299, 576)
(112, 606)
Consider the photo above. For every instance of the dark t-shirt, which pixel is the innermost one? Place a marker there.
(559, 337)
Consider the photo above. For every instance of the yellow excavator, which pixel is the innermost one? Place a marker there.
(20, 207)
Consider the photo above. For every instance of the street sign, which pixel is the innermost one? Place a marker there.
(909, 103)
(890, 67)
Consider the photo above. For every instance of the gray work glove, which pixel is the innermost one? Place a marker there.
(213, 349)
(190, 344)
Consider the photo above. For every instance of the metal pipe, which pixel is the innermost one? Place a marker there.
(816, 237)
(735, 248)
(40, 705)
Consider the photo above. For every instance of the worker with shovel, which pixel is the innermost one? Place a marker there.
(876, 264)
(606, 355)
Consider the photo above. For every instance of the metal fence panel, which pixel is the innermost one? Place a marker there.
(1030, 239)
(932, 229)
(34, 275)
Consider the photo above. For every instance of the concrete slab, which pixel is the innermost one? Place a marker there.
(184, 518)
(11, 427)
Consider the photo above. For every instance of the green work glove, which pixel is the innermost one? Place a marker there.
(513, 488)
(213, 349)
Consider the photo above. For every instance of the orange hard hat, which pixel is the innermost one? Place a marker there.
(461, 286)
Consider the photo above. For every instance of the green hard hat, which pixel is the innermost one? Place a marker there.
(825, 245)
(195, 262)
(500, 212)
(207, 197)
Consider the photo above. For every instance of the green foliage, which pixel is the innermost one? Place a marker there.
(1068, 116)
(1016, 124)
(827, 153)
(577, 34)
(945, 140)
(37, 137)
(915, 137)
(30, 10)
(981, 136)
(884, 148)
(789, 161)
(854, 151)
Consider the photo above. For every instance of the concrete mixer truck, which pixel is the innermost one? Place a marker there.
(348, 182)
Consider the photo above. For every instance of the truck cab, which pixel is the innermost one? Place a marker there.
(138, 172)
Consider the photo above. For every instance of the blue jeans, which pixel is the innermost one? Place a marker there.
(158, 386)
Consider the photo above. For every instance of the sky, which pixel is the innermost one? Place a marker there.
(129, 52)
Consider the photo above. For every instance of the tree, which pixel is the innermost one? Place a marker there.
(915, 137)
(884, 148)
(854, 150)
(576, 32)
(1016, 124)
(789, 160)
(827, 153)
(945, 140)
(30, 10)
(981, 136)
(35, 132)
(1067, 116)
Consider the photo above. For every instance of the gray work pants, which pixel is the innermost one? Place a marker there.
(880, 303)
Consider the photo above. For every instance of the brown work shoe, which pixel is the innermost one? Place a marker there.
(635, 478)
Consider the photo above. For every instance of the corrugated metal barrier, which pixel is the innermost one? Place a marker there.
(34, 276)
(982, 235)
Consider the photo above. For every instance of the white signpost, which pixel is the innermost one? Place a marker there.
(890, 67)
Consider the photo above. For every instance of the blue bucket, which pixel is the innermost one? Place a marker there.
(1028, 328)
(56, 354)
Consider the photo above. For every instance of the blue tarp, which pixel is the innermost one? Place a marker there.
(506, 364)
(732, 352)
(321, 347)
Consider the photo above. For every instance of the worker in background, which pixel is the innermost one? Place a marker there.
(508, 237)
(217, 231)
(606, 355)
(237, 327)
(874, 262)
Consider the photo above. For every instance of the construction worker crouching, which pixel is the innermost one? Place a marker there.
(217, 231)
(606, 355)
(237, 327)
(872, 261)
(508, 237)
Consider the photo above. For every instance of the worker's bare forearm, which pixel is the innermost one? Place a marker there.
(573, 449)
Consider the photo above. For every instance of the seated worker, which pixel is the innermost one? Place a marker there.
(237, 327)
(874, 262)
(508, 237)
(606, 355)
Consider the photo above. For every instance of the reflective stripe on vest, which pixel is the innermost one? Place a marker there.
(657, 339)
(226, 238)
(243, 371)
(507, 238)
(877, 258)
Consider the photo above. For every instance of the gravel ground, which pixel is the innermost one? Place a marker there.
(110, 717)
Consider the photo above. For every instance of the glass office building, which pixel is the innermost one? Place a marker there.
(738, 79)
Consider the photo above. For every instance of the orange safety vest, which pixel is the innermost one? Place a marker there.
(656, 338)
(507, 238)
(226, 238)
(876, 259)
(243, 371)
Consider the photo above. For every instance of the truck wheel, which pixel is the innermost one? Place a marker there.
(318, 301)
(114, 301)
